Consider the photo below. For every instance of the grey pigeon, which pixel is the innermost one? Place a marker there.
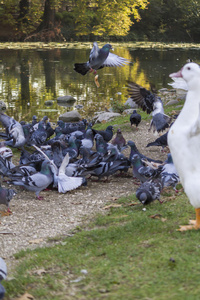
(135, 118)
(134, 150)
(87, 142)
(169, 173)
(38, 181)
(105, 169)
(150, 103)
(101, 145)
(39, 136)
(3, 274)
(6, 195)
(160, 141)
(107, 134)
(14, 131)
(100, 58)
(140, 171)
(150, 190)
(119, 140)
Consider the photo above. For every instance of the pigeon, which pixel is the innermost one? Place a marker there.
(161, 141)
(6, 195)
(38, 181)
(134, 150)
(87, 142)
(119, 140)
(39, 136)
(149, 191)
(101, 145)
(105, 169)
(107, 134)
(135, 118)
(14, 131)
(150, 103)
(169, 173)
(3, 275)
(63, 182)
(140, 171)
(184, 139)
(100, 58)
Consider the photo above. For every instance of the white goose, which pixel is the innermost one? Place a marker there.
(184, 140)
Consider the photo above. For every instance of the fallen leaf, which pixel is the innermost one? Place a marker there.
(26, 296)
(163, 219)
(36, 241)
(112, 205)
(40, 272)
(156, 216)
(133, 203)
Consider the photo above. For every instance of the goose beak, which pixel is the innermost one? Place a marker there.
(177, 74)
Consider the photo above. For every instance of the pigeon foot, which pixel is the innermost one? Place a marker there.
(40, 197)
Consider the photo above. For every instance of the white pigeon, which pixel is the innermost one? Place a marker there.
(184, 140)
(63, 182)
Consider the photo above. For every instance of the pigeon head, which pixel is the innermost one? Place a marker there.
(107, 47)
(144, 197)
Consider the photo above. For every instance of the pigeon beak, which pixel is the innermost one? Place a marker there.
(112, 49)
(177, 74)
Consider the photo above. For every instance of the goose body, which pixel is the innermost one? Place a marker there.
(184, 137)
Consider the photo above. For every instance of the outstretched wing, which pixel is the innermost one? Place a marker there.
(142, 97)
(114, 60)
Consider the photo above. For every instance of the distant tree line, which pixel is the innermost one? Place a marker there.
(117, 20)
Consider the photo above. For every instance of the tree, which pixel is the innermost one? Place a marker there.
(105, 17)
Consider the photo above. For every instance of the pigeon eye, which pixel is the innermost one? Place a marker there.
(188, 68)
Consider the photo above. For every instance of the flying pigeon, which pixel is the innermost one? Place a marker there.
(135, 118)
(100, 58)
(150, 103)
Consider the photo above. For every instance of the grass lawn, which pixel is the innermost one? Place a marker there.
(128, 253)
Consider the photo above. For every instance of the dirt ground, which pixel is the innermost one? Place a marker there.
(33, 221)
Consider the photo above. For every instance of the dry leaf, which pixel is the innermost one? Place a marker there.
(156, 216)
(163, 219)
(26, 296)
(40, 272)
(36, 241)
(112, 205)
(133, 203)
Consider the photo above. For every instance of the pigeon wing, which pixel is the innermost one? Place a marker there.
(142, 97)
(114, 60)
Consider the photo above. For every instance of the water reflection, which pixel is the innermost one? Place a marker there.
(28, 78)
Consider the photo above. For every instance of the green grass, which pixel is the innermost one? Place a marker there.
(127, 255)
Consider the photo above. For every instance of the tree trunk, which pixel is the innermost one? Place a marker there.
(48, 21)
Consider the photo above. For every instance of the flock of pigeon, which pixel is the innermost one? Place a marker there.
(65, 158)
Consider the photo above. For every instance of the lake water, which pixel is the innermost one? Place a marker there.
(30, 77)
